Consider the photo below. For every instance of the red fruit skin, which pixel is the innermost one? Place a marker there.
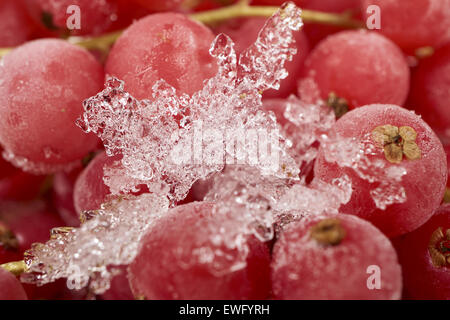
(161, 5)
(421, 279)
(90, 190)
(10, 287)
(62, 196)
(16, 184)
(303, 269)
(337, 65)
(447, 152)
(48, 291)
(16, 26)
(430, 91)
(404, 23)
(120, 287)
(160, 271)
(244, 33)
(42, 86)
(127, 12)
(200, 189)
(166, 46)
(424, 182)
(8, 255)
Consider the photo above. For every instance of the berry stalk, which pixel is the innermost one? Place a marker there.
(238, 10)
(15, 267)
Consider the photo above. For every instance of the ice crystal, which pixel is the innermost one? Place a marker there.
(308, 122)
(110, 236)
(267, 202)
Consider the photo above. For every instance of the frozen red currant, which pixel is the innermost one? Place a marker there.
(15, 24)
(349, 65)
(334, 257)
(165, 46)
(95, 16)
(399, 138)
(182, 257)
(425, 258)
(42, 86)
(90, 190)
(17, 185)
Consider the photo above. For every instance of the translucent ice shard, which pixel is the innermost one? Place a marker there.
(304, 123)
(110, 236)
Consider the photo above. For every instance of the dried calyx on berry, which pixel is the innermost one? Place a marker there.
(7, 238)
(328, 232)
(397, 142)
(338, 104)
(439, 248)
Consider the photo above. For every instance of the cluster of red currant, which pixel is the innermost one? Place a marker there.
(388, 87)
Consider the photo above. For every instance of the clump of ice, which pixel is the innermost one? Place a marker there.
(166, 142)
(264, 202)
(308, 123)
(110, 236)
